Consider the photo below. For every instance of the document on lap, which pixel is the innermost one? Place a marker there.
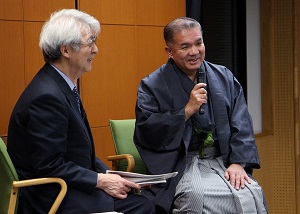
(142, 179)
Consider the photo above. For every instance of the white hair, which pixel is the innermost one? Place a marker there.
(65, 27)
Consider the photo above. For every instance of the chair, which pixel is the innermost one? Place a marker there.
(127, 157)
(10, 184)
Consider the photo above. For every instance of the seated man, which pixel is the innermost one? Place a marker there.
(198, 127)
(49, 134)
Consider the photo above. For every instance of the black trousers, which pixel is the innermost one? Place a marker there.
(134, 204)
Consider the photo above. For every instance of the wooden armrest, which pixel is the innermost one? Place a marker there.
(116, 158)
(38, 181)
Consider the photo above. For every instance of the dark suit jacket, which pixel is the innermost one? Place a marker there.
(48, 137)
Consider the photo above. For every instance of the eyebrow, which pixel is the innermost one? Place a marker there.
(200, 39)
(93, 37)
(187, 43)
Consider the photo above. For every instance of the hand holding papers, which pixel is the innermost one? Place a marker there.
(144, 180)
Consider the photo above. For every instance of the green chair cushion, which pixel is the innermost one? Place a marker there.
(8, 174)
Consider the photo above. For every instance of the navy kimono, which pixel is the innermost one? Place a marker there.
(162, 135)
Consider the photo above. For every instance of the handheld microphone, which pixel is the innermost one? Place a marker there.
(200, 78)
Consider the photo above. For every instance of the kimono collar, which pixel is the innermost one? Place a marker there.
(180, 97)
(220, 111)
(175, 77)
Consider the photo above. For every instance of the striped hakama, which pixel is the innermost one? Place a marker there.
(204, 189)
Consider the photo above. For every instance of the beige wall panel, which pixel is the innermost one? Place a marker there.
(267, 50)
(111, 11)
(11, 9)
(263, 175)
(284, 120)
(159, 12)
(40, 10)
(284, 147)
(109, 90)
(151, 50)
(12, 69)
(103, 144)
(297, 100)
(33, 55)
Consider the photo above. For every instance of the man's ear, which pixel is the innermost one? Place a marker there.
(65, 51)
(169, 52)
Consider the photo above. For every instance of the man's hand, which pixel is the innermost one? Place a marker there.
(115, 185)
(198, 97)
(237, 176)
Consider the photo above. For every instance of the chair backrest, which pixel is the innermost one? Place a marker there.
(8, 174)
(122, 134)
(10, 184)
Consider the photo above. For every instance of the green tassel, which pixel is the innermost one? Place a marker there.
(209, 141)
(206, 137)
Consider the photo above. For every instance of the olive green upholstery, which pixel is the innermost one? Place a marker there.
(8, 174)
(10, 184)
(122, 134)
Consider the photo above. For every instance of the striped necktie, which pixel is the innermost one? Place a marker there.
(77, 97)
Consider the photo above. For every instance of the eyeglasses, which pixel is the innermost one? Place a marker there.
(90, 41)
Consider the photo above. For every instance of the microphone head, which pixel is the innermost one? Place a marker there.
(201, 69)
(200, 74)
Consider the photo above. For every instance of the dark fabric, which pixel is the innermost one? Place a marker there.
(47, 137)
(162, 136)
(227, 48)
(193, 9)
(134, 204)
(77, 97)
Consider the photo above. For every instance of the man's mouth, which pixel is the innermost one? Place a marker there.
(195, 60)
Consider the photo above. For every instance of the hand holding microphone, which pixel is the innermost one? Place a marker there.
(197, 95)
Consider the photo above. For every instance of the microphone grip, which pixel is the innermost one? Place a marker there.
(200, 79)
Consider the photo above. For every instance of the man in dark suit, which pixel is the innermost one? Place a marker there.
(49, 134)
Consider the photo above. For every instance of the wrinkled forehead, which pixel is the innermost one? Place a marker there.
(194, 30)
(187, 34)
(89, 35)
(87, 31)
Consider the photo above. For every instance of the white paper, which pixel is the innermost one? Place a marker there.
(143, 179)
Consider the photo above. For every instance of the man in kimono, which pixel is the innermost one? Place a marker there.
(200, 128)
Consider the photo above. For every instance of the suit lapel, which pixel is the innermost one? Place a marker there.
(69, 97)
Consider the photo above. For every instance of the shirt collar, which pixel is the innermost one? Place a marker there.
(66, 78)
